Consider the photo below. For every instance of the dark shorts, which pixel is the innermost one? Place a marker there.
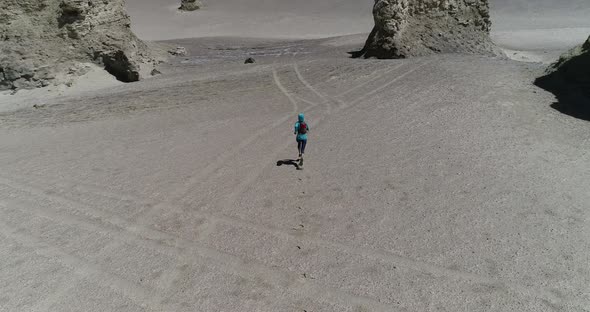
(301, 146)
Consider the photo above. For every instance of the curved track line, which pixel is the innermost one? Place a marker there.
(370, 94)
(212, 168)
(243, 186)
(138, 294)
(284, 90)
(255, 174)
(380, 76)
(204, 175)
(221, 159)
(251, 178)
(410, 262)
(180, 247)
(325, 99)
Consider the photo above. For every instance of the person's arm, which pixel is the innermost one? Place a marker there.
(296, 128)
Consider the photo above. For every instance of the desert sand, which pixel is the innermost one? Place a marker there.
(443, 183)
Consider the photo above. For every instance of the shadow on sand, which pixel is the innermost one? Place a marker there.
(570, 83)
(289, 162)
(572, 100)
(579, 108)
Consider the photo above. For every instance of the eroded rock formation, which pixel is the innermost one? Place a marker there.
(40, 40)
(573, 67)
(405, 28)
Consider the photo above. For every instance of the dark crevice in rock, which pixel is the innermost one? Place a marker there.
(69, 14)
(119, 65)
(4, 83)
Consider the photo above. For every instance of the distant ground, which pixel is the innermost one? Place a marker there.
(531, 31)
(540, 14)
(251, 18)
(540, 30)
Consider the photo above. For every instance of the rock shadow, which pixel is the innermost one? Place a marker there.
(572, 99)
(569, 80)
(69, 15)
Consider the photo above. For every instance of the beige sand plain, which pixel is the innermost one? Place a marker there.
(445, 183)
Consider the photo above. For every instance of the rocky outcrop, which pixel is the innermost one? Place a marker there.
(572, 68)
(41, 40)
(190, 5)
(405, 28)
(179, 51)
(569, 80)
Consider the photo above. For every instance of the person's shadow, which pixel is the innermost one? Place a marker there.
(289, 162)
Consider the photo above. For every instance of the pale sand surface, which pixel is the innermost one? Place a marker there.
(97, 80)
(539, 45)
(444, 183)
(160, 19)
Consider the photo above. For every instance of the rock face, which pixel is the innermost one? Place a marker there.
(41, 40)
(190, 5)
(179, 51)
(405, 28)
(569, 80)
(572, 68)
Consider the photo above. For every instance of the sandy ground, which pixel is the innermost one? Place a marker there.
(96, 81)
(444, 183)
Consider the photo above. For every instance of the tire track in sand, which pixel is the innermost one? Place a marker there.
(171, 244)
(325, 99)
(140, 295)
(369, 95)
(167, 244)
(371, 80)
(254, 175)
(221, 159)
(204, 176)
(407, 261)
